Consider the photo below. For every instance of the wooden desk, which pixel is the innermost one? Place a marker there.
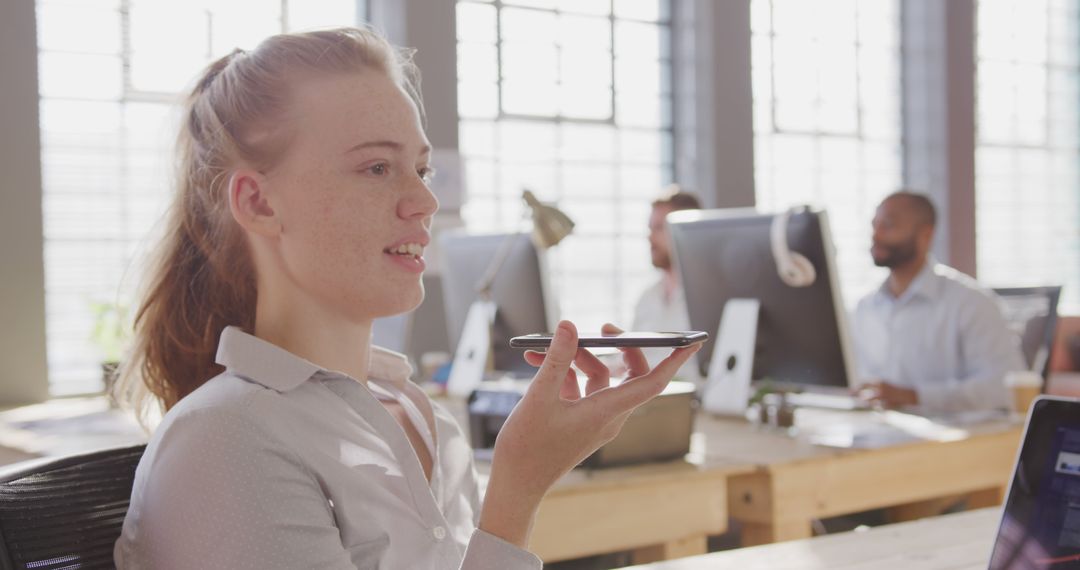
(659, 511)
(954, 542)
(795, 481)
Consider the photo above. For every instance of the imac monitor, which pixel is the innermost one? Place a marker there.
(802, 339)
(520, 291)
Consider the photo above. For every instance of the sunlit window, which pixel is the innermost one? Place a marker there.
(110, 74)
(571, 99)
(827, 127)
(1027, 163)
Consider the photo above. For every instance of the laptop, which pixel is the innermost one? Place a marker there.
(1040, 524)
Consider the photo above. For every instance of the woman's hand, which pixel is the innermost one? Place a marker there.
(554, 427)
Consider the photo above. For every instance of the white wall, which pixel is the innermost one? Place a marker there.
(23, 376)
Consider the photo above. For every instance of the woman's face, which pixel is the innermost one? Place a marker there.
(351, 195)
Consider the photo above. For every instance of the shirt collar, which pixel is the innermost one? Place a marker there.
(274, 367)
(926, 284)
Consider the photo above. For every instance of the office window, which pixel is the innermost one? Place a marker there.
(571, 99)
(1027, 166)
(111, 72)
(827, 126)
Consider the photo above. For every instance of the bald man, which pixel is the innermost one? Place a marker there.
(930, 337)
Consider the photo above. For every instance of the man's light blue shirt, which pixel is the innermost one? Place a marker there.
(945, 337)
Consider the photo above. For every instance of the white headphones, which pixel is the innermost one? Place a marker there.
(794, 269)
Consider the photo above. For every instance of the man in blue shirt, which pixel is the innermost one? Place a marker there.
(930, 337)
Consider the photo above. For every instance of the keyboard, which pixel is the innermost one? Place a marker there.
(828, 401)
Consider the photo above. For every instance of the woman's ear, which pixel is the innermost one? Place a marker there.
(250, 205)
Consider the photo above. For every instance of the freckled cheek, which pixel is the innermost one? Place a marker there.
(349, 240)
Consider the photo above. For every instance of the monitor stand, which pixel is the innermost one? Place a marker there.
(727, 389)
(473, 356)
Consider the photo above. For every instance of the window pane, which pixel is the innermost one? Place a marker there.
(636, 110)
(641, 76)
(77, 28)
(578, 125)
(589, 181)
(535, 64)
(530, 98)
(528, 26)
(587, 143)
(478, 100)
(478, 62)
(585, 32)
(107, 154)
(311, 14)
(476, 22)
(638, 40)
(477, 138)
(586, 68)
(169, 45)
(233, 25)
(594, 7)
(531, 141)
(648, 10)
(83, 76)
(827, 127)
(1028, 136)
(549, 4)
(585, 102)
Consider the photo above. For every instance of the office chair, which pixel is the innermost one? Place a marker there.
(1032, 313)
(66, 512)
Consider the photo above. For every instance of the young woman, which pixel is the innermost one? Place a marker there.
(289, 441)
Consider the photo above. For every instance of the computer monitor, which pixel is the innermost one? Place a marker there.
(520, 291)
(802, 336)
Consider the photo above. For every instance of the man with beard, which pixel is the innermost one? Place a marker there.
(662, 307)
(930, 337)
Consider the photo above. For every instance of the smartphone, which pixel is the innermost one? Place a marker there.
(635, 338)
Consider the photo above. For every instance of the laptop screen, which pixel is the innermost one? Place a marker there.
(1040, 526)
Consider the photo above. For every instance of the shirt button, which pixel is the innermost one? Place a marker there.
(439, 532)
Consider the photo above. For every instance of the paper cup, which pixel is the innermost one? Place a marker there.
(1026, 386)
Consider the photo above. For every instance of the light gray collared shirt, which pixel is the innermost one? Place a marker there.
(278, 463)
(944, 336)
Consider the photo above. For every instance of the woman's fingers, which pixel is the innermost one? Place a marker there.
(593, 368)
(636, 363)
(597, 372)
(610, 329)
(534, 358)
(556, 362)
(636, 391)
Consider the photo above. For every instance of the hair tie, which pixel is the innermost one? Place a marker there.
(216, 68)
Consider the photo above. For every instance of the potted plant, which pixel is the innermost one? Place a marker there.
(110, 335)
(758, 410)
(770, 405)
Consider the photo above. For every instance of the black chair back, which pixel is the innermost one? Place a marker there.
(1032, 314)
(66, 512)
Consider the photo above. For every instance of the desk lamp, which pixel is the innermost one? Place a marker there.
(473, 356)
